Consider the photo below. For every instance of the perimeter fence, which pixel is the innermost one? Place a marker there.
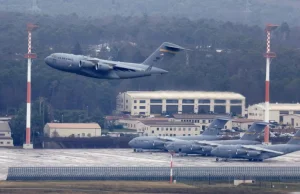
(209, 175)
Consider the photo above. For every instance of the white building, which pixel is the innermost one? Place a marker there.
(292, 120)
(171, 128)
(178, 102)
(201, 120)
(72, 130)
(5, 135)
(242, 123)
(277, 110)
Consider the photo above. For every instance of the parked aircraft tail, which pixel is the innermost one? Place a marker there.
(295, 139)
(254, 131)
(165, 51)
(216, 126)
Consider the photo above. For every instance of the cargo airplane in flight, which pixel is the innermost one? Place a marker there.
(106, 69)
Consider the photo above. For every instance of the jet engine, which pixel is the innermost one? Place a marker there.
(102, 67)
(253, 153)
(87, 64)
(206, 148)
(240, 152)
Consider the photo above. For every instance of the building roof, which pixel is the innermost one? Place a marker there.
(169, 124)
(146, 119)
(243, 120)
(4, 127)
(195, 116)
(184, 95)
(74, 125)
(280, 106)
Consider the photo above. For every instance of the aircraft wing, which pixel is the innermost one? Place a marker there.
(115, 65)
(252, 147)
(169, 138)
(207, 143)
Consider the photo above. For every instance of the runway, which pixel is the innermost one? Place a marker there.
(119, 157)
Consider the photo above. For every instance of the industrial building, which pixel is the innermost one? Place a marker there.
(170, 128)
(5, 135)
(242, 123)
(201, 120)
(72, 130)
(292, 120)
(179, 102)
(277, 111)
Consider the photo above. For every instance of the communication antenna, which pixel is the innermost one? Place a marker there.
(29, 56)
(268, 55)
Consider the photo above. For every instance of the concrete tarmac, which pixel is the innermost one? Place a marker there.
(119, 157)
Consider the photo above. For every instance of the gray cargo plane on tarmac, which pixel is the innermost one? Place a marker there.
(205, 147)
(157, 143)
(257, 152)
(105, 69)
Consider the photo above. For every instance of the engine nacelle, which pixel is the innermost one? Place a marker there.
(86, 64)
(206, 148)
(102, 67)
(240, 152)
(253, 153)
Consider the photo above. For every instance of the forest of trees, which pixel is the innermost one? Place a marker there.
(71, 98)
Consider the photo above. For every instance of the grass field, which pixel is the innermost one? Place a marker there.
(124, 187)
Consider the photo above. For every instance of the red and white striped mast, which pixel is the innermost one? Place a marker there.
(29, 56)
(268, 55)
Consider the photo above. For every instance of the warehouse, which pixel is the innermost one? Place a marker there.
(277, 111)
(292, 120)
(72, 130)
(201, 120)
(179, 102)
(5, 135)
(170, 128)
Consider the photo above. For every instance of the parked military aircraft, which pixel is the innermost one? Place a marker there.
(157, 143)
(205, 147)
(257, 152)
(105, 69)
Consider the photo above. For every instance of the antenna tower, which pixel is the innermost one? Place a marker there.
(268, 55)
(29, 56)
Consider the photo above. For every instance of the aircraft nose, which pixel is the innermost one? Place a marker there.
(130, 143)
(47, 60)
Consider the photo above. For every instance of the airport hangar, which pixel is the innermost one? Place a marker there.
(180, 102)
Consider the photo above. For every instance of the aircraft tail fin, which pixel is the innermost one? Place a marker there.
(164, 52)
(295, 139)
(216, 126)
(254, 131)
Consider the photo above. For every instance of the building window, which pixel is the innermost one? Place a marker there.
(284, 112)
(174, 135)
(174, 129)
(179, 129)
(203, 121)
(157, 129)
(8, 142)
(126, 101)
(78, 135)
(89, 135)
(189, 129)
(162, 129)
(126, 107)
(183, 129)
(134, 107)
(235, 101)
(1, 142)
(166, 134)
(142, 107)
(220, 101)
(204, 101)
(152, 131)
(2, 134)
(167, 129)
(159, 134)
(188, 101)
(170, 129)
(189, 134)
(196, 129)
(172, 101)
(135, 101)
(183, 134)
(171, 134)
(142, 101)
(156, 101)
(83, 134)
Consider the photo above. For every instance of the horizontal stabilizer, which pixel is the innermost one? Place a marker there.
(257, 148)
